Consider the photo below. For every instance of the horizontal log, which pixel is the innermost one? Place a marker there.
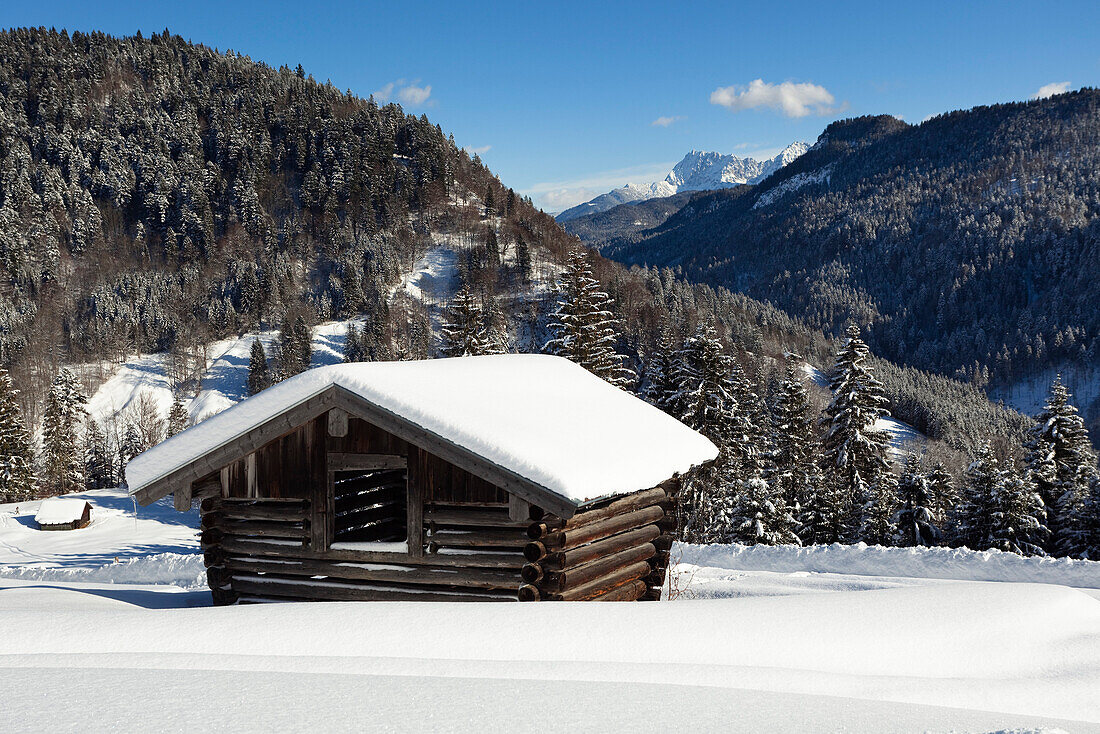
(472, 518)
(260, 512)
(452, 539)
(563, 540)
(599, 586)
(476, 578)
(259, 529)
(558, 560)
(528, 593)
(630, 503)
(630, 591)
(330, 591)
(534, 551)
(555, 581)
(474, 506)
(211, 504)
(291, 550)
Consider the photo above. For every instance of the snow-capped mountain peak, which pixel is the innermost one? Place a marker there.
(698, 171)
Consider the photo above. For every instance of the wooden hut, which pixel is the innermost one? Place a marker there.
(63, 513)
(501, 477)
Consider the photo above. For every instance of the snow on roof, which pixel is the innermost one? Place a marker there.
(60, 511)
(541, 417)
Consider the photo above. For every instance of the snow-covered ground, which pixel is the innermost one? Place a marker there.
(829, 639)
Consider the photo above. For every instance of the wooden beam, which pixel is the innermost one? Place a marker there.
(338, 422)
(338, 461)
(451, 452)
(182, 498)
(253, 489)
(518, 508)
(269, 549)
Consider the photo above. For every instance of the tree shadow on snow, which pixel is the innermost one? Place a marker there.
(140, 597)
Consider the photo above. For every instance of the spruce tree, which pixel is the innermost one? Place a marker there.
(878, 510)
(584, 326)
(98, 464)
(1060, 462)
(295, 348)
(918, 517)
(258, 378)
(705, 397)
(523, 261)
(62, 463)
(132, 445)
(1089, 528)
(1018, 521)
(759, 515)
(178, 417)
(981, 485)
(464, 333)
(795, 471)
(660, 385)
(852, 446)
(17, 478)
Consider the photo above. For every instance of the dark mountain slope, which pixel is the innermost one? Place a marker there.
(970, 242)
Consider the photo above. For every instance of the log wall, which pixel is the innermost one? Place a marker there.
(614, 552)
(267, 534)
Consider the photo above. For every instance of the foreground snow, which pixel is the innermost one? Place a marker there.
(760, 639)
(966, 656)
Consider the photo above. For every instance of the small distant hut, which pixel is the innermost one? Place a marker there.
(63, 513)
(475, 478)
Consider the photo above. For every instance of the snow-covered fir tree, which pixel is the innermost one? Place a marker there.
(852, 447)
(99, 465)
(258, 377)
(178, 418)
(353, 345)
(705, 397)
(660, 386)
(464, 331)
(62, 461)
(918, 516)
(795, 476)
(1018, 521)
(295, 348)
(974, 514)
(878, 510)
(759, 515)
(1061, 463)
(131, 445)
(17, 476)
(1088, 538)
(584, 324)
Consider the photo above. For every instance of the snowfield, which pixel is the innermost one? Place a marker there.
(758, 639)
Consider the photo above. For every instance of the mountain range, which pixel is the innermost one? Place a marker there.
(698, 171)
(967, 245)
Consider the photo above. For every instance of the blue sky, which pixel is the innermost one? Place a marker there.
(561, 100)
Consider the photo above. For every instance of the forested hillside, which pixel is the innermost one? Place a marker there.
(156, 195)
(970, 244)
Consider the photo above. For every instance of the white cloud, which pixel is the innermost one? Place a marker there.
(481, 150)
(407, 93)
(1049, 90)
(664, 121)
(384, 94)
(793, 99)
(413, 95)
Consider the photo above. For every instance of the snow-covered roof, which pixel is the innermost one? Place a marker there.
(60, 511)
(540, 417)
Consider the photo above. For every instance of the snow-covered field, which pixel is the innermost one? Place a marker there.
(830, 639)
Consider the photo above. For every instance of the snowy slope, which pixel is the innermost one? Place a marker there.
(697, 171)
(867, 647)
